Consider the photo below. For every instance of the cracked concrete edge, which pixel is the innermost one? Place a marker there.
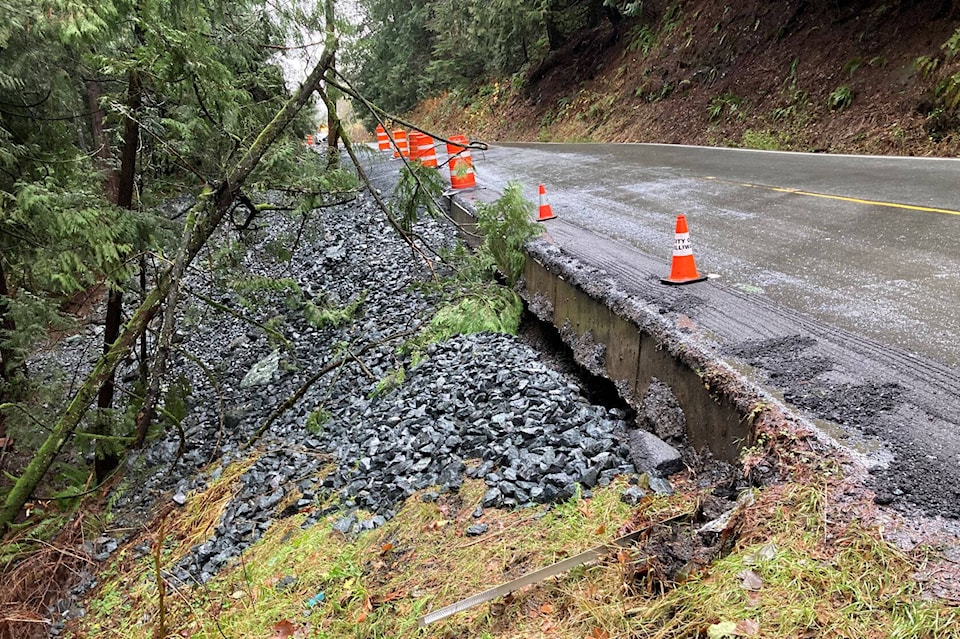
(767, 413)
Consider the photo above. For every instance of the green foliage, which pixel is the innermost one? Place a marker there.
(852, 65)
(951, 48)
(946, 92)
(601, 108)
(415, 48)
(642, 39)
(492, 309)
(761, 140)
(418, 189)
(728, 104)
(390, 381)
(840, 98)
(322, 186)
(175, 401)
(274, 329)
(926, 66)
(253, 288)
(507, 227)
(472, 301)
(63, 239)
(227, 256)
(320, 317)
(646, 37)
(317, 419)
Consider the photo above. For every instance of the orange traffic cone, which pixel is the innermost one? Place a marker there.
(545, 212)
(684, 269)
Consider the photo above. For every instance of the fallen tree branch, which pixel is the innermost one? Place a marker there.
(380, 116)
(407, 237)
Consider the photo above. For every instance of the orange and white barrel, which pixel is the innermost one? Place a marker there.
(401, 148)
(461, 163)
(426, 152)
(383, 139)
(309, 139)
(413, 141)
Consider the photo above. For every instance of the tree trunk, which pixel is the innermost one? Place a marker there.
(554, 37)
(333, 121)
(8, 359)
(103, 152)
(333, 138)
(107, 458)
(202, 220)
(7, 355)
(225, 196)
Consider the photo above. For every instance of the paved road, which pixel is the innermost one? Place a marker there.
(869, 244)
(838, 280)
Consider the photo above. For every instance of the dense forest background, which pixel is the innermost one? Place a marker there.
(808, 75)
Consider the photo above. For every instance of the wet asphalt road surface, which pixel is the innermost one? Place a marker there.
(837, 280)
(771, 224)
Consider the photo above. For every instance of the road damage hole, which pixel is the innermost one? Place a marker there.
(546, 339)
(783, 361)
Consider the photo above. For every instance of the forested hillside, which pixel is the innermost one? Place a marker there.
(108, 110)
(810, 75)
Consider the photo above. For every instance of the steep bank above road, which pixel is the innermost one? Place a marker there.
(804, 76)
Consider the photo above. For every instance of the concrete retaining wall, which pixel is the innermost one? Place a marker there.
(626, 343)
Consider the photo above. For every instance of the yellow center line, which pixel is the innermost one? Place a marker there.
(854, 200)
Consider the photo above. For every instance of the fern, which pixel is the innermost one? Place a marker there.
(507, 227)
(317, 419)
(323, 317)
(952, 46)
(418, 189)
(926, 66)
(390, 381)
(493, 310)
(252, 288)
(948, 91)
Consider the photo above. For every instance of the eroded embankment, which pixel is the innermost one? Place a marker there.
(386, 491)
(680, 390)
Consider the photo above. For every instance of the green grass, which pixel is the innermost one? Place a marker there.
(761, 140)
(823, 571)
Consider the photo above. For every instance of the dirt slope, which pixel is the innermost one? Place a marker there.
(788, 74)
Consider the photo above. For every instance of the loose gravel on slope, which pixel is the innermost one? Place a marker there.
(483, 406)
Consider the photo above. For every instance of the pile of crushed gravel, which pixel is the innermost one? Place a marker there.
(483, 406)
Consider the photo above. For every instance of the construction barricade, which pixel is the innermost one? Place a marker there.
(400, 140)
(383, 139)
(461, 163)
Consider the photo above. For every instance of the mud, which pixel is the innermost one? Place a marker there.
(799, 376)
(673, 551)
(661, 413)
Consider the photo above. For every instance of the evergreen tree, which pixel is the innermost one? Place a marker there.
(106, 108)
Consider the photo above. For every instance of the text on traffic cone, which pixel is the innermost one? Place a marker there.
(683, 269)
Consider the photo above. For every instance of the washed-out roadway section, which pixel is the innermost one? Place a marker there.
(833, 295)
